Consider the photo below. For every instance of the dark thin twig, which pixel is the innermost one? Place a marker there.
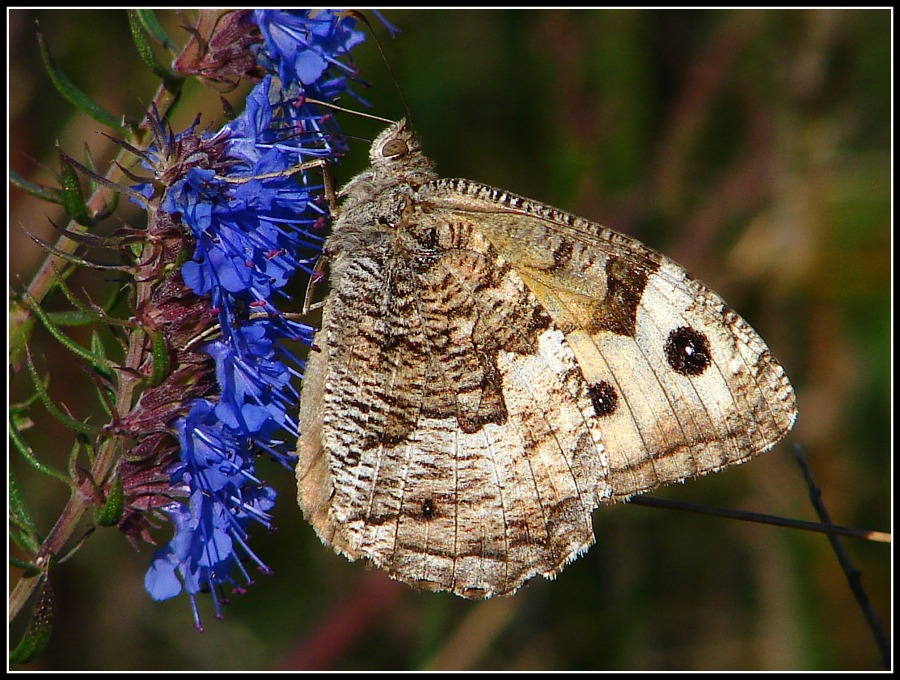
(854, 578)
(761, 518)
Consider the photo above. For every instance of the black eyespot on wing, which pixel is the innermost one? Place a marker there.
(604, 398)
(428, 508)
(687, 351)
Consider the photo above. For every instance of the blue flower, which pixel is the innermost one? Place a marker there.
(210, 533)
(301, 46)
(252, 225)
(253, 381)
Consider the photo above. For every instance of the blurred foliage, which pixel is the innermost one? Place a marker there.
(751, 146)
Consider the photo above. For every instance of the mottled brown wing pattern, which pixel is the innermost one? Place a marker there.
(689, 387)
(456, 424)
(490, 369)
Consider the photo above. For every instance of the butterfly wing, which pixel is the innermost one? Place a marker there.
(683, 386)
(490, 370)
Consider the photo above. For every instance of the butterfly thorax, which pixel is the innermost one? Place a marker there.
(373, 216)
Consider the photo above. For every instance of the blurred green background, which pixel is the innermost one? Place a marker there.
(753, 147)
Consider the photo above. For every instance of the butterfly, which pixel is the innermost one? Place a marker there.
(490, 369)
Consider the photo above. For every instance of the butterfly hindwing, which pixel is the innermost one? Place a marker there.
(454, 421)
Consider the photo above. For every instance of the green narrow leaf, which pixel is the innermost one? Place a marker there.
(161, 365)
(97, 348)
(90, 165)
(49, 194)
(72, 195)
(117, 294)
(111, 512)
(83, 314)
(144, 49)
(29, 569)
(98, 362)
(148, 20)
(71, 552)
(51, 407)
(110, 203)
(25, 451)
(172, 106)
(109, 208)
(70, 318)
(71, 92)
(37, 633)
(23, 529)
(21, 408)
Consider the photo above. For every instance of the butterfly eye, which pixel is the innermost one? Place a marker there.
(395, 147)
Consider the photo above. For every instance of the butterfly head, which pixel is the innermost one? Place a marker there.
(395, 145)
(396, 158)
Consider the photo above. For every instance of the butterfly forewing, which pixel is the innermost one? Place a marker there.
(685, 385)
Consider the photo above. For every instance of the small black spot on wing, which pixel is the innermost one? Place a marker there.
(604, 398)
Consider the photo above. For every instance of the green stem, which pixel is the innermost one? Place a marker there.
(108, 453)
(44, 279)
(20, 321)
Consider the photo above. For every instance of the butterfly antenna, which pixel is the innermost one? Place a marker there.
(362, 17)
(330, 105)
